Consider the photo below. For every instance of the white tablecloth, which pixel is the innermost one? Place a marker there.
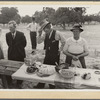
(21, 74)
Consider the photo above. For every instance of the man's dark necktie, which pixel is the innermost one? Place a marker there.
(13, 35)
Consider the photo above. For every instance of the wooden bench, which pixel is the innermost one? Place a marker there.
(7, 68)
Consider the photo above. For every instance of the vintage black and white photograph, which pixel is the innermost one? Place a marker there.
(50, 47)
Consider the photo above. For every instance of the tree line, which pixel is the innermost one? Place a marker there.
(62, 16)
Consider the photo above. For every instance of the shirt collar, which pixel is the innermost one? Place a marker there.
(14, 33)
(76, 40)
(50, 34)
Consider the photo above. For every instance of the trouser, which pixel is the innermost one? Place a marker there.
(9, 78)
(9, 81)
(41, 85)
(50, 59)
(81, 59)
(33, 40)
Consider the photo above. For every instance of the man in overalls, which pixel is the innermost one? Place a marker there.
(51, 40)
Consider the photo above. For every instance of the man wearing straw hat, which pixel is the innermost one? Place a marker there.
(51, 40)
(33, 27)
(76, 47)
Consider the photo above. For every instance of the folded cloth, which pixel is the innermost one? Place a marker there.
(76, 64)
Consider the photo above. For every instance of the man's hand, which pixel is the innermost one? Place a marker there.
(40, 33)
(75, 58)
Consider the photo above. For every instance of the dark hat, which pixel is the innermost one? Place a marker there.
(77, 26)
(44, 24)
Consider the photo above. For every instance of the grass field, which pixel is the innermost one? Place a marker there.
(91, 33)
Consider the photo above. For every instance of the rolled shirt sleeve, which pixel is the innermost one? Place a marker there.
(29, 27)
(65, 49)
(41, 38)
(85, 46)
(61, 38)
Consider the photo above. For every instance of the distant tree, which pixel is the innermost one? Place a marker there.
(8, 14)
(88, 18)
(26, 19)
(46, 13)
(17, 18)
(80, 11)
(62, 16)
(68, 15)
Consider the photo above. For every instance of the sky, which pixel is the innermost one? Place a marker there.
(30, 9)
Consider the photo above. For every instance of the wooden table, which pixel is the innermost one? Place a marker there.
(10, 68)
(75, 83)
(7, 68)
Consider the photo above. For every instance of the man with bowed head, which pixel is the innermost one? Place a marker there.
(16, 42)
(51, 40)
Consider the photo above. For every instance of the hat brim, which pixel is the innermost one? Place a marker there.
(75, 29)
(43, 26)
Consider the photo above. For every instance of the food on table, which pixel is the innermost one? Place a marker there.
(46, 70)
(27, 61)
(97, 72)
(38, 55)
(86, 76)
(77, 74)
(66, 73)
(42, 75)
(31, 69)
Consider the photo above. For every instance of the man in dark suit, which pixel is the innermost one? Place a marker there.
(16, 42)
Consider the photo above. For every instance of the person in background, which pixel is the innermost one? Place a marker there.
(16, 42)
(76, 47)
(52, 50)
(1, 48)
(33, 28)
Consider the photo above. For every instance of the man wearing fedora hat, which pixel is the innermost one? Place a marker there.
(76, 47)
(51, 40)
(33, 27)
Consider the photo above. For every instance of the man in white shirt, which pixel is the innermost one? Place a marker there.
(33, 27)
(76, 47)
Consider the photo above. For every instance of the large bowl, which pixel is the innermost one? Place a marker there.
(61, 66)
(67, 73)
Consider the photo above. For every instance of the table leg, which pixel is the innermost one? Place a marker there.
(4, 81)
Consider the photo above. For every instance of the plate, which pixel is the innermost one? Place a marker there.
(97, 72)
(42, 75)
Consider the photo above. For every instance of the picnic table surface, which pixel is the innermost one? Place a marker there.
(57, 79)
(17, 70)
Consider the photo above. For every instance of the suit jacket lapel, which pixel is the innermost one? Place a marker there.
(10, 35)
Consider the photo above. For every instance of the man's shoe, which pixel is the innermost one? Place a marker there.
(51, 86)
(36, 87)
(39, 86)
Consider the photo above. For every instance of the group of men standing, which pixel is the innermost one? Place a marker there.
(16, 42)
